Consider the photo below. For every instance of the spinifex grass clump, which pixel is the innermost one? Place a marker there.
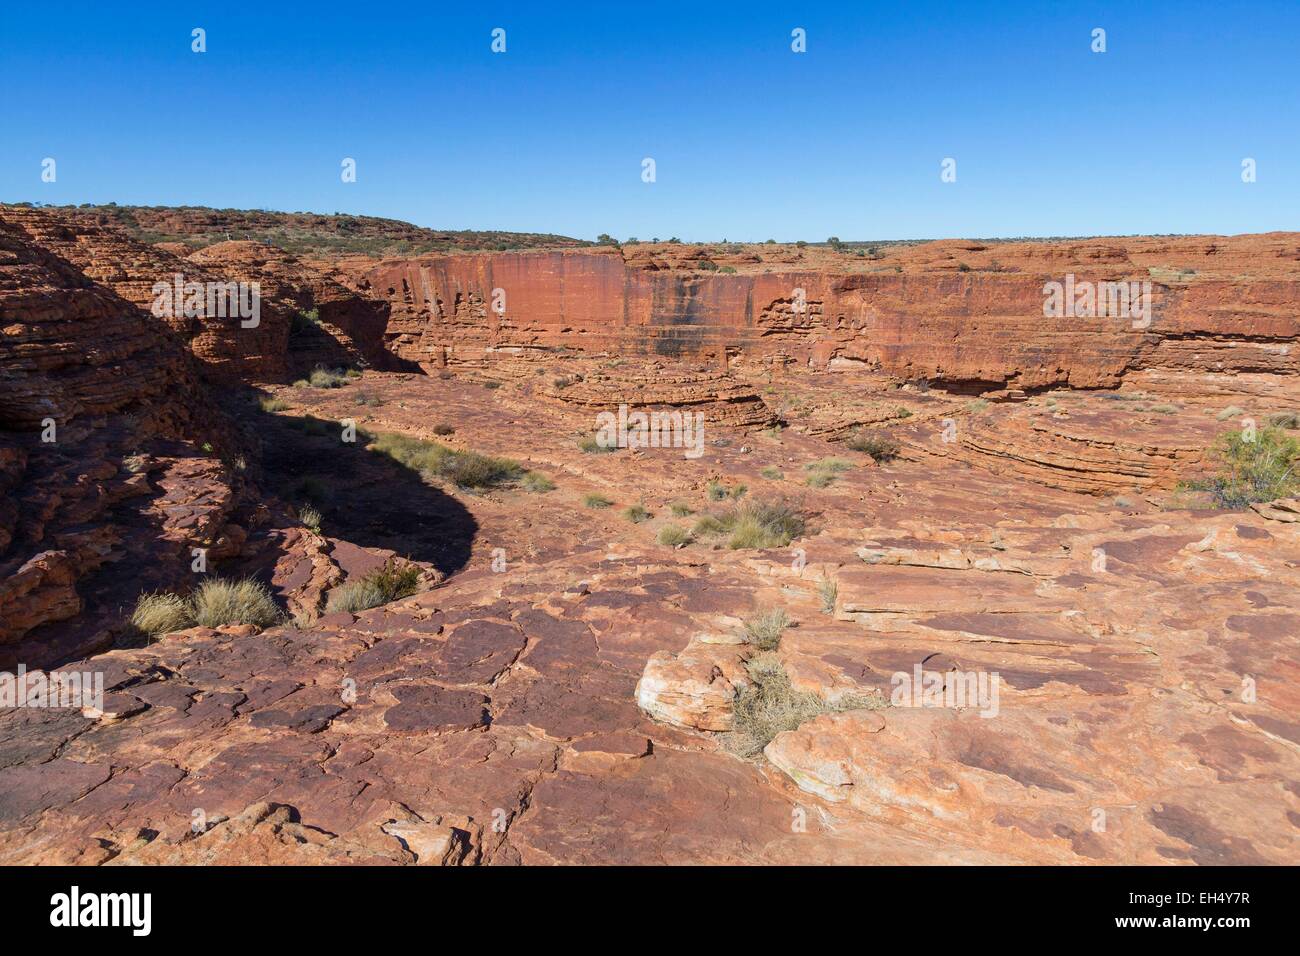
(215, 603)
(764, 629)
(674, 536)
(161, 613)
(879, 446)
(218, 602)
(755, 524)
(466, 469)
(822, 473)
(768, 706)
(1258, 466)
(328, 378)
(389, 583)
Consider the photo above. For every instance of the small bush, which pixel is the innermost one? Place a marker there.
(768, 706)
(161, 613)
(674, 535)
(819, 480)
(391, 582)
(880, 447)
(978, 405)
(537, 483)
(308, 321)
(593, 447)
(302, 383)
(1232, 411)
(327, 378)
(218, 602)
(764, 629)
(310, 517)
(681, 509)
(1164, 409)
(372, 401)
(831, 466)
(756, 525)
(715, 491)
(273, 404)
(636, 514)
(443, 429)
(596, 501)
(738, 492)
(491, 384)
(828, 589)
(1252, 471)
(1288, 420)
(772, 473)
(466, 469)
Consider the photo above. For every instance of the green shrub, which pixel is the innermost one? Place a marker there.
(466, 469)
(537, 483)
(738, 492)
(161, 613)
(1232, 411)
(389, 583)
(327, 378)
(1252, 471)
(828, 589)
(978, 405)
(880, 447)
(273, 404)
(764, 629)
(715, 491)
(681, 509)
(755, 524)
(596, 501)
(593, 447)
(636, 514)
(218, 602)
(302, 383)
(772, 473)
(819, 480)
(674, 535)
(308, 321)
(831, 466)
(310, 517)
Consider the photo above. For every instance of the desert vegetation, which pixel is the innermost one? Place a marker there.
(215, 603)
(754, 524)
(1251, 468)
(388, 583)
(465, 469)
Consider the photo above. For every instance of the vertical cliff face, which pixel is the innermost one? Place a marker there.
(959, 328)
(101, 413)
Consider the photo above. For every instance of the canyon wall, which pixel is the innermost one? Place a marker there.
(964, 329)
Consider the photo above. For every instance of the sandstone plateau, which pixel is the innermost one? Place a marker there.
(563, 687)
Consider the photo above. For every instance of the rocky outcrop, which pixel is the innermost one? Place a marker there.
(332, 325)
(231, 348)
(90, 384)
(921, 318)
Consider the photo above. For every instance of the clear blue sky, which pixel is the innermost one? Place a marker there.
(750, 139)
